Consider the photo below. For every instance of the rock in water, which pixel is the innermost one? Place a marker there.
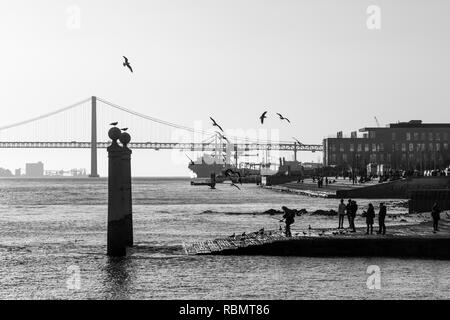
(325, 212)
(273, 212)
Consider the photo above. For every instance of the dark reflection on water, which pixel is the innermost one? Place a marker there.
(118, 276)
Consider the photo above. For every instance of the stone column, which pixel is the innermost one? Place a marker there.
(126, 182)
(116, 220)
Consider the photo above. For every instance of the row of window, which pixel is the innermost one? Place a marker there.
(379, 147)
(416, 136)
(382, 158)
(423, 136)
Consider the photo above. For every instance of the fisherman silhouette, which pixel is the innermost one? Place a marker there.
(435, 214)
(288, 218)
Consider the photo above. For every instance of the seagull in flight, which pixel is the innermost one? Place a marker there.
(114, 124)
(283, 118)
(215, 124)
(222, 137)
(192, 162)
(263, 116)
(230, 172)
(234, 185)
(127, 64)
(297, 141)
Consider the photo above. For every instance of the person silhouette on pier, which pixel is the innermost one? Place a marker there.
(352, 208)
(341, 213)
(288, 218)
(435, 214)
(381, 219)
(370, 215)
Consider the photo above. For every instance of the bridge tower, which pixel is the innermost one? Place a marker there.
(295, 152)
(94, 173)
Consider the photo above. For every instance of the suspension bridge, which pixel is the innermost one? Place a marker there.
(76, 127)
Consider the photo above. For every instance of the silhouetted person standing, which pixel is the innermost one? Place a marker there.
(353, 210)
(370, 215)
(341, 213)
(435, 214)
(381, 219)
(348, 208)
(288, 219)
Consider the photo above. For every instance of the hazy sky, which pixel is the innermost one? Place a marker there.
(314, 61)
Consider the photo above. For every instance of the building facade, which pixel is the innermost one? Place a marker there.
(34, 169)
(409, 145)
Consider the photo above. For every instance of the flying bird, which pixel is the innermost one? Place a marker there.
(124, 129)
(192, 162)
(215, 124)
(297, 141)
(283, 118)
(113, 123)
(233, 185)
(229, 172)
(263, 116)
(127, 64)
(222, 137)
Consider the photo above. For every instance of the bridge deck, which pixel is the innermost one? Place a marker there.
(163, 145)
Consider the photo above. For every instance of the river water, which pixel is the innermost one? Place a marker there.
(53, 244)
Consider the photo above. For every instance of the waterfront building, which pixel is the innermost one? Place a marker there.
(34, 169)
(412, 145)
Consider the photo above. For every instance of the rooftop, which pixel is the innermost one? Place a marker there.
(409, 124)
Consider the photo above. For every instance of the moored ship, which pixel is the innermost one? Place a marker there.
(206, 165)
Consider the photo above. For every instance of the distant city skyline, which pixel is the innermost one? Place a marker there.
(315, 62)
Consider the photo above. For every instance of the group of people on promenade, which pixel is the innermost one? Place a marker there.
(320, 181)
(350, 209)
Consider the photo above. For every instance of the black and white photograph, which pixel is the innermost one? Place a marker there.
(225, 155)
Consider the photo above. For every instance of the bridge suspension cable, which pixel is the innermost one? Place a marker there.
(44, 115)
(173, 125)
